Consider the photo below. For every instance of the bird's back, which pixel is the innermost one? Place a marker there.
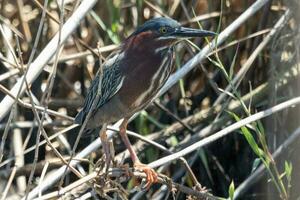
(103, 87)
(130, 80)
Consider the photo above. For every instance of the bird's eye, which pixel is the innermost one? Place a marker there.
(163, 29)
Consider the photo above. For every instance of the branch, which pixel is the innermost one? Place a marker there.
(50, 180)
(45, 56)
(117, 173)
(186, 68)
(259, 172)
(39, 108)
(226, 131)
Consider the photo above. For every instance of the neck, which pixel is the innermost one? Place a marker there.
(144, 44)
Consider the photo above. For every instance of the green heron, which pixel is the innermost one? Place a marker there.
(132, 78)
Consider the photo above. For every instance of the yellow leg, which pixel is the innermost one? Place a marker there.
(151, 174)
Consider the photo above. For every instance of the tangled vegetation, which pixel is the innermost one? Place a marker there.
(225, 125)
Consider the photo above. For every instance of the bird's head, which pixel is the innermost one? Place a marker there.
(163, 32)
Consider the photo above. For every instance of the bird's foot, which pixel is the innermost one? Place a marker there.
(150, 173)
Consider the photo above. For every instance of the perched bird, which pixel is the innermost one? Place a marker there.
(132, 77)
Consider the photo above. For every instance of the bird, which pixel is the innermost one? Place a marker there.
(131, 78)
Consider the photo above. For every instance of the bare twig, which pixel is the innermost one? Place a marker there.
(172, 80)
(24, 23)
(47, 53)
(36, 2)
(8, 184)
(117, 173)
(226, 131)
(19, 154)
(238, 78)
(207, 49)
(258, 173)
(41, 143)
(43, 175)
(39, 108)
(107, 48)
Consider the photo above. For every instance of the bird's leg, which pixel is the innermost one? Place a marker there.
(105, 145)
(123, 128)
(151, 174)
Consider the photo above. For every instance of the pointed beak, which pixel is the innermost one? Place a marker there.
(184, 32)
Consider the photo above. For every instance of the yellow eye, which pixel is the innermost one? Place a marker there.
(163, 29)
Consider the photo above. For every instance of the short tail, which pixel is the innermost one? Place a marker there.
(91, 132)
(79, 119)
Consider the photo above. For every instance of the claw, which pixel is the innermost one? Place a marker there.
(150, 173)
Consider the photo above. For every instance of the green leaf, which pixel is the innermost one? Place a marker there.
(114, 27)
(152, 119)
(173, 141)
(192, 44)
(250, 139)
(141, 124)
(112, 36)
(215, 63)
(256, 162)
(288, 168)
(151, 154)
(231, 69)
(228, 93)
(231, 190)
(204, 160)
(260, 127)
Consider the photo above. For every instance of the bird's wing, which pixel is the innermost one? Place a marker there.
(110, 82)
